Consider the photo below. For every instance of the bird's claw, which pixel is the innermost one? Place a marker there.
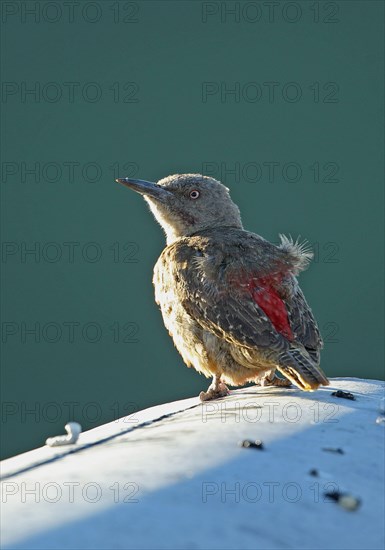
(214, 392)
(275, 381)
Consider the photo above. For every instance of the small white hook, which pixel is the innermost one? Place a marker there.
(73, 430)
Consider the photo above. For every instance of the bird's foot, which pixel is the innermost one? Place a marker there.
(216, 389)
(275, 381)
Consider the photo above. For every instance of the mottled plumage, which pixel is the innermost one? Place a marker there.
(229, 298)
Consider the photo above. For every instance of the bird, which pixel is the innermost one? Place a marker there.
(230, 299)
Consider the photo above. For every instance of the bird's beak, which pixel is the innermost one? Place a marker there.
(146, 188)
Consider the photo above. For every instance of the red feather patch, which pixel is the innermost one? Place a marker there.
(264, 293)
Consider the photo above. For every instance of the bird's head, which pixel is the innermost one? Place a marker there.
(185, 204)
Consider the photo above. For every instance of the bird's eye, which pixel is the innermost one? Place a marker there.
(194, 194)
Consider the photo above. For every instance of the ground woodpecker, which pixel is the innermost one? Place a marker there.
(230, 299)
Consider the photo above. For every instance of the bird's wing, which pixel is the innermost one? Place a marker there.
(234, 300)
(251, 300)
(304, 325)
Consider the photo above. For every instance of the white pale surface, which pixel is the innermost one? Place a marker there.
(174, 477)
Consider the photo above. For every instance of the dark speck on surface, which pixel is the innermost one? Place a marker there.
(336, 450)
(344, 395)
(349, 502)
(247, 443)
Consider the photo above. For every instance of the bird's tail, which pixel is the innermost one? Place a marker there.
(299, 368)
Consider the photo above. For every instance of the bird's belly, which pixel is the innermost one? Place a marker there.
(185, 332)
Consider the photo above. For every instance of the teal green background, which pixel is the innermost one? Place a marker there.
(169, 53)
